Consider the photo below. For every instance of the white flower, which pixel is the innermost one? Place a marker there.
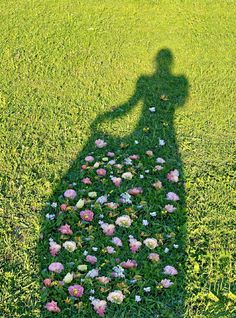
(146, 171)
(136, 142)
(85, 253)
(102, 199)
(70, 246)
(101, 216)
(138, 298)
(147, 289)
(68, 278)
(92, 274)
(54, 205)
(161, 142)
(128, 161)
(50, 216)
(124, 221)
(126, 198)
(94, 249)
(166, 250)
(152, 109)
(80, 204)
(127, 175)
(175, 245)
(141, 176)
(92, 291)
(153, 214)
(91, 298)
(145, 222)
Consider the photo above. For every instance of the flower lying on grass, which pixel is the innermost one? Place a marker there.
(104, 237)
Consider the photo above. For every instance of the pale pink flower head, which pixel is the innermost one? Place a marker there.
(112, 205)
(117, 241)
(166, 283)
(108, 229)
(103, 280)
(134, 245)
(116, 181)
(54, 248)
(89, 158)
(135, 191)
(172, 196)
(169, 208)
(65, 229)
(124, 221)
(173, 175)
(100, 143)
(129, 264)
(70, 194)
(116, 297)
(70, 246)
(154, 257)
(110, 250)
(110, 154)
(99, 306)
(134, 157)
(157, 185)
(56, 267)
(87, 215)
(101, 172)
(52, 306)
(91, 259)
(170, 270)
(76, 290)
(127, 175)
(150, 243)
(160, 160)
(86, 181)
(158, 168)
(84, 167)
(63, 207)
(47, 282)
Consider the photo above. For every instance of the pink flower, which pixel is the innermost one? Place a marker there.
(108, 229)
(135, 191)
(99, 306)
(63, 207)
(170, 270)
(84, 167)
(129, 264)
(116, 297)
(158, 168)
(154, 257)
(100, 143)
(54, 248)
(149, 153)
(172, 196)
(86, 181)
(134, 245)
(112, 205)
(103, 280)
(173, 175)
(160, 160)
(52, 306)
(124, 221)
(110, 250)
(65, 229)
(157, 185)
(169, 208)
(116, 181)
(101, 172)
(87, 215)
(56, 267)
(47, 282)
(89, 159)
(110, 154)
(70, 194)
(117, 241)
(91, 259)
(76, 290)
(166, 283)
(134, 157)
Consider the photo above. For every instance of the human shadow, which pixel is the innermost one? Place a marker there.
(165, 92)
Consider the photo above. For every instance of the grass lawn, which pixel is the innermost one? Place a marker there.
(73, 71)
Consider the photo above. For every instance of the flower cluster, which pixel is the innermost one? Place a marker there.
(105, 234)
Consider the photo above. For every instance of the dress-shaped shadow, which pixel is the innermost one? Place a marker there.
(165, 92)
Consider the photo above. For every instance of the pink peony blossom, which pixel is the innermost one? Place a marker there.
(108, 229)
(134, 157)
(124, 221)
(112, 205)
(56, 267)
(158, 168)
(101, 172)
(65, 229)
(70, 194)
(63, 207)
(166, 283)
(173, 175)
(54, 248)
(87, 215)
(169, 208)
(154, 257)
(117, 241)
(170, 270)
(76, 290)
(86, 181)
(84, 167)
(99, 306)
(100, 143)
(116, 297)
(47, 282)
(135, 191)
(103, 280)
(129, 264)
(91, 259)
(172, 196)
(160, 160)
(52, 306)
(116, 181)
(89, 158)
(134, 245)
(110, 154)
(110, 250)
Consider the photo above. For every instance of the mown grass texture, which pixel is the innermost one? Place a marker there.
(63, 63)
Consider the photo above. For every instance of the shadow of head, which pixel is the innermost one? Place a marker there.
(164, 61)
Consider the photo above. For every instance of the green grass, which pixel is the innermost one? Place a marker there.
(62, 64)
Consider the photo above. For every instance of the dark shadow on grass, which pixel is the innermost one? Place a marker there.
(165, 92)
